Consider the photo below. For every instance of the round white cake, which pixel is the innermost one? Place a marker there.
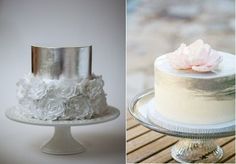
(184, 95)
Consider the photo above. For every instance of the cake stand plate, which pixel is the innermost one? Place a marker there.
(62, 142)
(194, 146)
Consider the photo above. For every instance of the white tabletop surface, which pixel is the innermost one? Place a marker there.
(100, 23)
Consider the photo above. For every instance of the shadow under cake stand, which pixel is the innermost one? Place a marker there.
(196, 145)
(62, 142)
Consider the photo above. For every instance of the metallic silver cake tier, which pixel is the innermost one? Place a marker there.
(66, 62)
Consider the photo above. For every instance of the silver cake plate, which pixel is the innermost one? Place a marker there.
(197, 143)
(62, 142)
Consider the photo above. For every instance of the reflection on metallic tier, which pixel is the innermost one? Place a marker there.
(66, 62)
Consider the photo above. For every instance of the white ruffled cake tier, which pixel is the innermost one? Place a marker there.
(63, 99)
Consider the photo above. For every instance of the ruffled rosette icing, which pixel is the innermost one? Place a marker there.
(61, 99)
(198, 56)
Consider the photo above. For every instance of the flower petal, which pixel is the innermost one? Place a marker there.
(198, 56)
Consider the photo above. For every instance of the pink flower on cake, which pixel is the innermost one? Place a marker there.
(198, 56)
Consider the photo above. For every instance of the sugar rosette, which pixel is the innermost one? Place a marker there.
(61, 99)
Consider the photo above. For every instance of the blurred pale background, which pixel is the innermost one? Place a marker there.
(155, 27)
(100, 23)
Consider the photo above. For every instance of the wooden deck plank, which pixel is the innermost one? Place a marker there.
(163, 156)
(173, 161)
(142, 140)
(231, 160)
(225, 140)
(150, 149)
(229, 151)
(146, 146)
(131, 123)
(129, 116)
(136, 131)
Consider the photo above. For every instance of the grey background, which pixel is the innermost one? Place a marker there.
(61, 23)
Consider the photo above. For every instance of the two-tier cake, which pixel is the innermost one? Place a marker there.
(61, 85)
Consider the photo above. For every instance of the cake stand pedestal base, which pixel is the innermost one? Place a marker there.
(196, 150)
(62, 143)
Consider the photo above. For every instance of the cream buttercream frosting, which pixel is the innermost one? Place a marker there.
(192, 97)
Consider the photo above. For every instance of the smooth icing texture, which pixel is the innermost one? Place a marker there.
(187, 96)
(61, 99)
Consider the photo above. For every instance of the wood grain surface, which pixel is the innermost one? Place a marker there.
(146, 146)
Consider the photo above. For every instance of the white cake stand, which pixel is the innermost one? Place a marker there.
(196, 144)
(62, 142)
